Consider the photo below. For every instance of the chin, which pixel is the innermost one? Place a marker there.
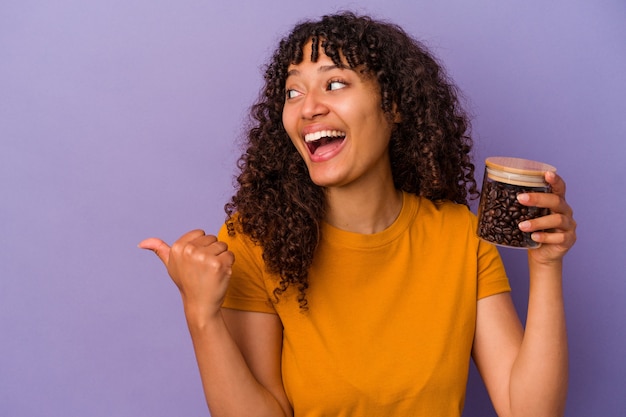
(323, 180)
(327, 182)
(328, 175)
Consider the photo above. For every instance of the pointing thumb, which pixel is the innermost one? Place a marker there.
(159, 247)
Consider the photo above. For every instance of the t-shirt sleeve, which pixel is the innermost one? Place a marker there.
(492, 277)
(246, 289)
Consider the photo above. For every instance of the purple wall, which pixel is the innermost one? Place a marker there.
(117, 121)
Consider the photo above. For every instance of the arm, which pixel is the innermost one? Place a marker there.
(238, 353)
(239, 361)
(525, 371)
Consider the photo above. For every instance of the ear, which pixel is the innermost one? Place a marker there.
(397, 116)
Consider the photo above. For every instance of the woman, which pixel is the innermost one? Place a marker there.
(348, 279)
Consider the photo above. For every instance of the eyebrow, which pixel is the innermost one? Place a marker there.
(322, 69)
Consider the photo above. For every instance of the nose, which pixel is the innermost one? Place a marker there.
(313, 105)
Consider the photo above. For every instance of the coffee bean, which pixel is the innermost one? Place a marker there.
(500, 213)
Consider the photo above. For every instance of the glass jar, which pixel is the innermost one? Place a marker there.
(499, 212)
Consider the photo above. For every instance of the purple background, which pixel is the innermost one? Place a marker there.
(118, 121)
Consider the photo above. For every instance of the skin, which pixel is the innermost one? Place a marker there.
(238, 353)
(357, 176)
(525, 370)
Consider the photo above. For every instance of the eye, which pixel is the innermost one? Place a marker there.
(336, 85)
(291, 93)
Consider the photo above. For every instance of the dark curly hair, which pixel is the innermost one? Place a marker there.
(277, 204)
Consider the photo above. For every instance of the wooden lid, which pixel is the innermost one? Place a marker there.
(518, 165)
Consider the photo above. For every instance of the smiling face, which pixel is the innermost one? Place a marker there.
(334, 118)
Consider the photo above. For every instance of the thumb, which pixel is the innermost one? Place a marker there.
(159, 247)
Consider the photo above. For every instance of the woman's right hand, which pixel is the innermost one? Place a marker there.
(200, 266)
(234, 384)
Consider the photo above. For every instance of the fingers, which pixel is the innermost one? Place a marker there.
(553, 222)
(556, 183)
(190, 236)
(199, 265)
(159, 247)
(162, 249)
(559, 219)
(557, 228)
(555, 200)
(207, 249)
(190, 244)
(197, 241)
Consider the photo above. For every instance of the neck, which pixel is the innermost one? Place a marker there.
(367, 212)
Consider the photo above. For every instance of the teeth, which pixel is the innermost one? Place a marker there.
(312, 137)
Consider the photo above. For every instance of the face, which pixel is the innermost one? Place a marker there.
(334, 119)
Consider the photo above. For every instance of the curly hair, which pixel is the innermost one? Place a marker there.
(276, 203)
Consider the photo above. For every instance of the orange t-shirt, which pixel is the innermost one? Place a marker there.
(391, 316)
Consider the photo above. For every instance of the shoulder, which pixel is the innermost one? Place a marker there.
(445, 224)
(239, 243)
(443, 211)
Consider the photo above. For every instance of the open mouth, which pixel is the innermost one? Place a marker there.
(324, 141)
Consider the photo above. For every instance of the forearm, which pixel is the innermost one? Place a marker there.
(229, 386)
(539, 376)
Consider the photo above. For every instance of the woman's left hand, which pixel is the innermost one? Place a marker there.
(557, 231)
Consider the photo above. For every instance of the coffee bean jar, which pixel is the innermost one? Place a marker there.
(499, 212)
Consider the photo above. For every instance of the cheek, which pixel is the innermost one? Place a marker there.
(288, 123)
(297, 144)
(291, 130)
